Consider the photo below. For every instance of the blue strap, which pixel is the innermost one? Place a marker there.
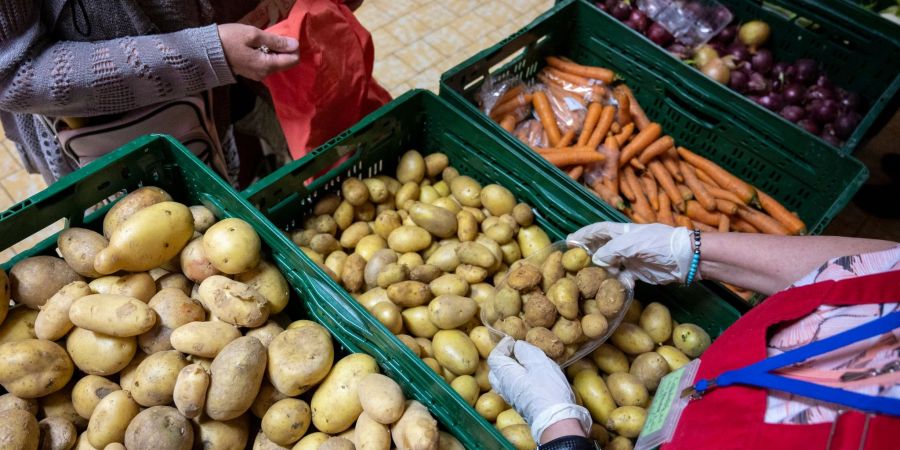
(759, 374)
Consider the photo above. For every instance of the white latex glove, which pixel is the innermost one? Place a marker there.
(654, 253)
(534, 385)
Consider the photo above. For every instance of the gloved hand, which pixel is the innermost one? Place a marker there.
(655, 253)
(534, 385)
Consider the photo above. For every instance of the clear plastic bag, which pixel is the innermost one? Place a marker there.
(587, 346)
(494, 93)
(692, 22)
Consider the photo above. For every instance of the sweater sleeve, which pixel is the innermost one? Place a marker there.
(68, 78)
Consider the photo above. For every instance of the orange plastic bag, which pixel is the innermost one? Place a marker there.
(332, 87)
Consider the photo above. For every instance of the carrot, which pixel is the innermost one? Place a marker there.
(722, 194)
(615, 128)
(671, 165)
(607, 195)
(607, 114)
(625, 133)
(697, 213)
(786, 218)
(567, 85)
(665, 209)
(721, 176)
(568, 77)
(508, 123)
(576, 172)
(625, 189)
(702, 226)
(683, 221)
(650, 188)
(640, 142)
(611, 166)
(686, 193)
(705, 178)
(566, 139)
(640, 204)
(561, 150)
(590, 122)
(599, 73)
(668, 185)
(743, 226)
(707, 201)
(637, 113)
(726, 207)
(511, 93)
(637, 217)
(573, 157)
(502, 109)
(724, 224)
(623, 109)
(545, 114)
(657, 148)
(636, 164)
(562, 93)
(763, 222)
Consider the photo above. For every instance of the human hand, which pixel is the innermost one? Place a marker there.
(242, 43)
(535, 386)
(655, 253)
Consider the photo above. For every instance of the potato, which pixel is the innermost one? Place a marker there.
(353, 276)
(523, 214)
(203, 218)
(354, 191)
(335, 404)
(632, 339)
(370, 434)
(409, 239)
(411, 167)
(466, 190)
(416, 429)
(568, 331)
(497, 199)
(489, 405)
(519, 436)
(483, 340)
(467, 226)
(455, 351)
(627, 421)
(649, 368)
(372, 297)
(113, 315)
(234, 302)
(126, 375)
(524, 277)
(416, 321)
(59, 404)
(539, 310)
(610, 297)
(35, 279)
(369, 245)
(155, 378)
(620, 443)
(203, 339)
(532, 239)
(194, 263)
(578, 366)
(411, 343)
(235, 376)
(449, 173)
(409, 294)
(564, 295)
(189, 393)
(19, 324)
(343, 215)
(18, 430)
(33, 368)
(628, 390)
(449, 284)
(4, 295)
(311, 441)
(409, 191)
(300, 358)
(476, 254)
(78, 247)
(173, 309)
(326, 205)
(657, 322)
(467, 388)
(599, 434)
(445, 257)
(437, 221)
(691, 339)
(130, 204)
(674, 357)
(110, 419)
(552, 270)
(268, 281)
(149, 238)
(433, 365)
(435, 163)
(545, 340)
(88, 392)
(594, 325)
(137, 285)
(589, 280)
(266, 397)
(378, 190)
(232, 246)
(286, 421)
(575, 259)
(389, 315)
(174, 281)
(266, 333)
(335, 261)
(451, 311)
(470, 273)
(500, 233)
(482, 292)
(512, 326)
(57, 434)
(376, 264)
(365, 212)
(425, 273)
(159, 427)
(10, 401)
(52, 322)
(385, 223)
(337, 443)
(381, 398)
(221, 435)
(595, 395)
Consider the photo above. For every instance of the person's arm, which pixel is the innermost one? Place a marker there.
(767, 263)
(66, 78)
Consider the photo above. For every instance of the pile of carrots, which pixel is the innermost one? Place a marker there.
(627, 159)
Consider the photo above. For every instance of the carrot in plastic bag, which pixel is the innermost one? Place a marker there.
(599, 73)
(545, 114)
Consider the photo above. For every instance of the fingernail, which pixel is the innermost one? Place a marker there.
(291, 44)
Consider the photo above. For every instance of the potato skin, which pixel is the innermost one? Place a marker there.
(234, 302)
(595, 395)
(19, 324)
(519, 436)
(381, 398)
(628, 390)
(10, 401)
(691, 339)
(34, 280)
(79, 247)
(299, 358)
(88, 392)
(539, 310)
(545, 340)
(455, 351)
(154, 382)
(113, 315)
(451, 311)
(159, 427)
(33, 368)
(57, 434)
(194, 263)
(286, 421)
(18, 430)
(173, 309)
(268, 281)
(232, 246)
(221, 435)
(371, 434)
(416, 429)
(149, 238)
(335, 404)
(130, 204)
(203, 339)
(110, 419)
(235, 376)
(52, 322)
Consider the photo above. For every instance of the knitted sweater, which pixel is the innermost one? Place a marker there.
(95, 57)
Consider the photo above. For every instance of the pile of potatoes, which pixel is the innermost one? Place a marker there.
(425, 253)
(166, 332)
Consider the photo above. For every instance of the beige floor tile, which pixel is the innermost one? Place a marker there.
(385, 43)
(22, 185)
(371, 16)
(9, 160)
(496, 13)
(447, 40)
(399, 89)
(5, 200)
(427, 79)
(472, 26)
(398, 8)
(461, 7)
(418, 55)
(392, 72)
(434, 15)
(408, 29)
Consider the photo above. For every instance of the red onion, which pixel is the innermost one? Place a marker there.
(825, 112)
(738, 81)
(639, 20)
(845, 124)
(809, 125)
(621, 11)
(658, 34)
(794, 94)
(807, 70)
(763, 61)
(739, 51)
(793, 113)
(772, 101)
(852, 101)
(758, 84)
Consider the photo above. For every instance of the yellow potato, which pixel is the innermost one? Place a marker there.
(335, 261)
(564, 295)
(79, 247)
(425, 273)
(203, 218)
(353, 275)
(489, 405)
(130, 204)
(52, 322)
(155, 378)
(437, 221)
(35, 279)
(159, 427)
(575, 259)
(409, 239)
(628, 390)
(409, 191)
(610, 359)
(266, 397)
(512, 326)
(389, 315)
(266, 333)
(354, 191)
(300, 358)
(113, 315)
(631, 339)
(509, 417)
(627, 421)
(674, 357)
(19, 430)
(578, 366)
(311, 441)
(111, 418)
(467, 388)
(376, 264)
(497, 199)
(411, 167)
(381, 398)
(416, 321)
(268, 281)
(476, 254)
(500, 233)
(203, 339)
(336, 443)
(471, 274)
(59, 404)
(370, 434)
(335, 404)
(173, 309)
(445, 257)
(378, 190)
(235, 376)
(416, 429)
(595, 395)
(409, 294)
(656, 320)
(467, 228)
(88, 392)
(483, 340)
(466, 190)
(57, 433)
(286, 421)
(611, 297)
(141, 286)
(435, 163)
(451, 311)
(519, 436)
(33, 368)
(194, 263)
(594, 325)
(324, 244)
(691, 339)
(411, 343)
(369, 245)
(365, 212)
(126, 375)
(189, 393)
(385, 222)
(455, 351)
(174, 281)
(649, 368)
(343, 215)
(545, 340)
(568, 331)
(232, 246)
(147, 239)
(234, 302)
(10, 401)
(221, 435)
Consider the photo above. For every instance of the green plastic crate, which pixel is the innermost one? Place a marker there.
(419, 120)
(162, 161)
(805, 175)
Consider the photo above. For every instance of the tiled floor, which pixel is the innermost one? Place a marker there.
(416, 41)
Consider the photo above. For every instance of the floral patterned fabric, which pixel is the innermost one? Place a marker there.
(827, 321)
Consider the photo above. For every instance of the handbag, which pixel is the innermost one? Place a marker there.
(188, 119)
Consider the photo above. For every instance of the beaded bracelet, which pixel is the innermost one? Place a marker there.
(695, 261)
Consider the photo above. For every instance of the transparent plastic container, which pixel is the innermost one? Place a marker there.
(587, 346)
(692, 22)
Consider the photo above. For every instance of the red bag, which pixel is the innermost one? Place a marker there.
(332, 87)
